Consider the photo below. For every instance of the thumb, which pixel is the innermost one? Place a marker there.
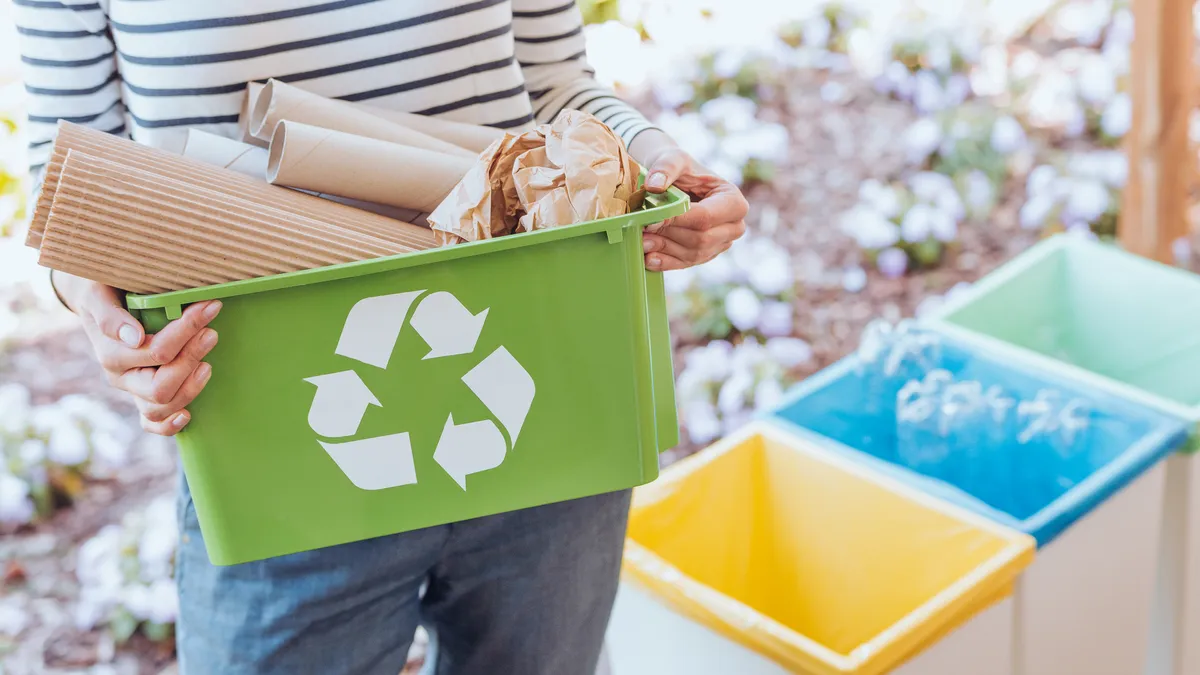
(665, 171)
(104, 307)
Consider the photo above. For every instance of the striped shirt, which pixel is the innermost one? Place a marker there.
(150, 69)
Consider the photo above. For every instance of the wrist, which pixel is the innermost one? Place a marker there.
(649, 145)
(68, 288)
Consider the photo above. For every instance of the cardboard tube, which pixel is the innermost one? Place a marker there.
(96, 143)
(324, 160)
(251, 161)
(147, 233)
(279, 101)
(253, 89)
(248, 160)
(473, 137)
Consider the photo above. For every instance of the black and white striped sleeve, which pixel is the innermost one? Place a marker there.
(69, 65)
(550, 48)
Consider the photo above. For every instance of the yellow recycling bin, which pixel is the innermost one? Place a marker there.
(767, 555)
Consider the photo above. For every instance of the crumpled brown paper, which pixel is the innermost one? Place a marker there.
(572, 170)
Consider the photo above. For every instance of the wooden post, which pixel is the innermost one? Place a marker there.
(1154, 209)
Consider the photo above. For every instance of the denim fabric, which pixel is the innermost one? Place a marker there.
(521, 593)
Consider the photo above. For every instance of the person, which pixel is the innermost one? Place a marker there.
(521, 593)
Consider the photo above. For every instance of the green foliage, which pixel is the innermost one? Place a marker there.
(599, 11)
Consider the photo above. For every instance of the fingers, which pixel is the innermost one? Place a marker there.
(165, 345)
(168, 427)
(155, 413)
(103, 306)
(666, 170)
(689, 247)
(724, 204)
(160, 385)
(116, 358)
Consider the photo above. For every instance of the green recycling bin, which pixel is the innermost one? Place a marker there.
(381, 396)
(1124, 324)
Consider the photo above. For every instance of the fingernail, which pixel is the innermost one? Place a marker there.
(647, 245)
(179, 420)
(212, 309)
(655, 261)
(130, 335)
(203, 372)
(657, 180)
(209, 340)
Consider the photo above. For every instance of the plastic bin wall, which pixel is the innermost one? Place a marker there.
(1093, 502)
(370, 398)
(765, 555)
(1127, 325)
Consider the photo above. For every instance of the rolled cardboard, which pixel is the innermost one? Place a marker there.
(473, 137)
(96, 143)
(250, 160)
(253, 89)
(279, 101)
(333, 162)
(147, 233)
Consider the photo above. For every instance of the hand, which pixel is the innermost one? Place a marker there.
(164, 371)
(711, 225)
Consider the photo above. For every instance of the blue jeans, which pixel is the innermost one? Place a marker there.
(521, 593)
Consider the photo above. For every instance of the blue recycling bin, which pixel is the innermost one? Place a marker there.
(1090, 491)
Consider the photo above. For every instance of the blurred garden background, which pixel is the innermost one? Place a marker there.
(893, 151)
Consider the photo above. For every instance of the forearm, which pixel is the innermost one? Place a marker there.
(69, 288)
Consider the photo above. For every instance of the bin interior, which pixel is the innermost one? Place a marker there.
(824, 552)
(1099, 308)
(1028, 483)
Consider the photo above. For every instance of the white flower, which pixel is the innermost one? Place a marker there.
(958, 87)
(1096, 81)
(789, 352)
(776, 319)
(14, 408)
(13, 619)
(928, 95)
(710, 362)
(735, 393)
(734, 113)
(32, 451)
(768, 394)
(162, 604)
(883, 198)
(869, 229)
(833, 92)
(980, 195)
(917, 223)
(678, 281)
(1117, 117)
(742, 308)
(68, 446)
(736, 421)
(921, 139)
(727, 169)
(716, 272)
(772, 275)
(136, 599)
(943, 226)
(1181, 251)
(817, 32)
(938, 54)
(1008, 136)
(892, 262)
(703, 424)
(1033, 213)
(931, 187)
(1076, 122)
(768, 142)
(15, 506)
(1087, 200)
(897, 80)
(110, 451)
(1041, 179)
(854, 279)
(690, 132)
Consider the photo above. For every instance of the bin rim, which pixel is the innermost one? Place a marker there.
(878, 654)
(1167, 434)
(939, 319)
(659, 207)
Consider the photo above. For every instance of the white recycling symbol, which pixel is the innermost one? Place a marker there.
(369, 336)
